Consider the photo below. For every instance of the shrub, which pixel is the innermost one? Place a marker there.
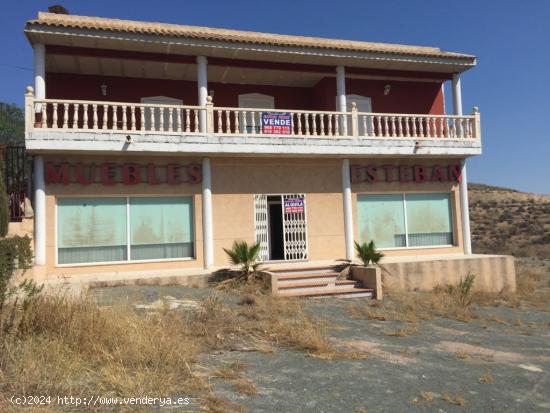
(245, 256)
(463, 291)
(15, 253)
(367, 253)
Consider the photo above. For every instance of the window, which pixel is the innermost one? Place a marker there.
(405, 220)
(158, 112)
(160, 228)
(122, 229)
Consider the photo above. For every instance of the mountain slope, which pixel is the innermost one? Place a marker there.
(506, 221)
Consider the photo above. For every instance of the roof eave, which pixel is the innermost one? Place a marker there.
(458, 62)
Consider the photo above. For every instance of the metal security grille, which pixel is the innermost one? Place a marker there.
(293, 209)
(261, 225)
(15, 178)
(294, 226)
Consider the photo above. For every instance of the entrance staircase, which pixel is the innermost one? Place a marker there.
(315, 282)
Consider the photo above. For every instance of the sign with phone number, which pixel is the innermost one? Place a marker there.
(275, 123)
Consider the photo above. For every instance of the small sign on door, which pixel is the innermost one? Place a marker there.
(294, 205)
(275, 123)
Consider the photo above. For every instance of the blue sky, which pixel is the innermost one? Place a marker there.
(511, 84)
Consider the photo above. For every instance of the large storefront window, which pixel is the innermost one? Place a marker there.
(124, 229)
(161, 228)
(405, 220)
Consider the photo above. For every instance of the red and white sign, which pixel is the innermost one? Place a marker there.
(294, 205)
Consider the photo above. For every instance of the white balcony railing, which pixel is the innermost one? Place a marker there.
(65, 115)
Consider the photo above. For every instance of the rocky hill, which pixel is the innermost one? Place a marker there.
(506, 221)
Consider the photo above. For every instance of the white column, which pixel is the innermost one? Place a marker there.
(457, 95)
(348, 211)
(39, 71)
(207, 230)
(463, 187)
(202, 84)
(39, 212)
(341, 88)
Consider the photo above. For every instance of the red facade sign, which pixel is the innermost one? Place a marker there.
(405, 173)
(126, 174)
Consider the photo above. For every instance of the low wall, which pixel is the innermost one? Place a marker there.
(493, 273)
(370, 277)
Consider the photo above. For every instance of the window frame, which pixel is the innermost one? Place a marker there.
(128, 261)
(454, 229)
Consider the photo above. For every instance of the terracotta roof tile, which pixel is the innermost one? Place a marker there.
(207, 33)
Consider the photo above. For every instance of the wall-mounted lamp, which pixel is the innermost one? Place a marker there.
(387, 89)
(103, 88)
(211, 93)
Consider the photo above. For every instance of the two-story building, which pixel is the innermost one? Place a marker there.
(157, 145)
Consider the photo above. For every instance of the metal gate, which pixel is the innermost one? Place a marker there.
(261, 225)
(15, 178)
(293, 209)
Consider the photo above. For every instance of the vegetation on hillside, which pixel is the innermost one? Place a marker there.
(505, 221)
(12, 125)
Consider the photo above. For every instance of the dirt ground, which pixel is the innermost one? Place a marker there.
(497, 362)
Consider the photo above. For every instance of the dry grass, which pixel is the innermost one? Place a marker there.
(231, 372)
(70, 346)
(244, 386)
(532, 289)
(456, 399)
(427, 396)
(67, 345)
(403, 332)
(487, 378)
(412, 307)
(235, 373)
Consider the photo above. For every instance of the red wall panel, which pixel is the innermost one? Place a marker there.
(404, 97)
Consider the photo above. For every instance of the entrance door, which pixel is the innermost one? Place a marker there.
(276, 230)
(281, 228)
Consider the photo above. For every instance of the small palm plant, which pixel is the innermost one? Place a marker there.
(367, 253)
(245, 256)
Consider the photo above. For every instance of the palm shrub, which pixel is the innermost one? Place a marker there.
(367, 253)
(245, 256)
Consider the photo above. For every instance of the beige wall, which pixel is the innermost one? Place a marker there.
(234, 181)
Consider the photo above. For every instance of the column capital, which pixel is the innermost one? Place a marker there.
(202, 60)
(39, 47)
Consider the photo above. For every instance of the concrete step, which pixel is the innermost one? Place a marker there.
(308, 285)
(348, 292)
(307, 276)
(302, 270)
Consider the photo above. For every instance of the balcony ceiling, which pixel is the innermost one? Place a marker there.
(177, 71)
